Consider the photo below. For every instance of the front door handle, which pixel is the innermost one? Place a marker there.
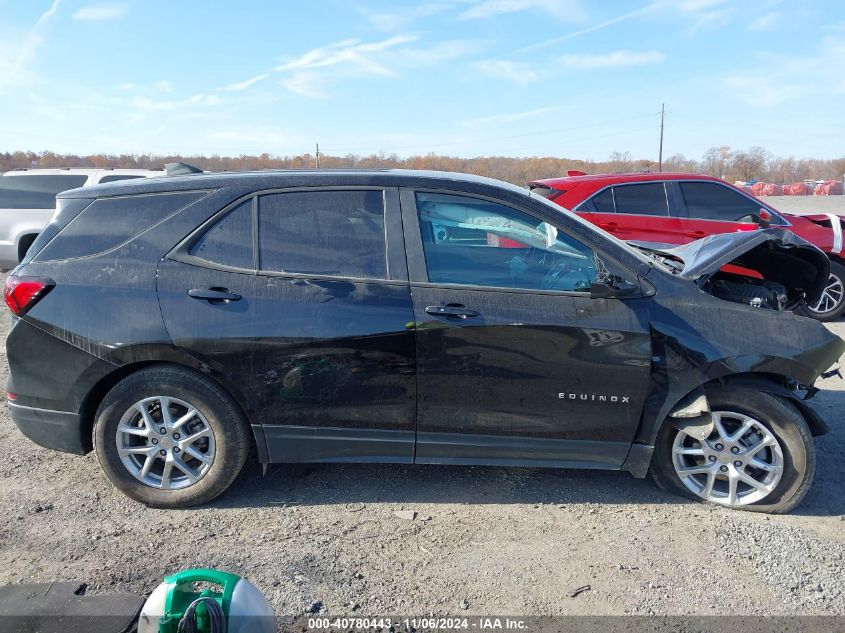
(609, 226)
(696, 234)
(214, 295)
(455, 310)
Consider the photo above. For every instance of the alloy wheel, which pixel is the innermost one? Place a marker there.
(741, 462)
(832, 296)
(165, 442)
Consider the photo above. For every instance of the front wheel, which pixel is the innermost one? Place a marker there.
(831, 304)
(759, 456)
(168, 437)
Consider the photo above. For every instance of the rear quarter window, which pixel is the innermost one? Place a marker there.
(36, 192)
(110, 222)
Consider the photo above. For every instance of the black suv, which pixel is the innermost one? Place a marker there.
(409, 317)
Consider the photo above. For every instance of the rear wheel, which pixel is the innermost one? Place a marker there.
(168, 437)
(759, 456)
(831, 304)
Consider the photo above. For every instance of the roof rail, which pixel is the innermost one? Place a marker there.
(181, 169)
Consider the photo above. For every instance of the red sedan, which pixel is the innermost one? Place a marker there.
(677, 208)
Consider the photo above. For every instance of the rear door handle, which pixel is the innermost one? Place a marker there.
(451, 310)
(609, 226)
(696, 234)
(214, 294)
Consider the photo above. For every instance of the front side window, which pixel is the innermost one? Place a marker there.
(711, 201)
(475, 242)
(641, 199)
(335, 233)
(36, 192)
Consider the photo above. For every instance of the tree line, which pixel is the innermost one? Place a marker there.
(755, 163)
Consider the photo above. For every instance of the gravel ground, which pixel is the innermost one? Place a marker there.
(803, 205)
(482, 541)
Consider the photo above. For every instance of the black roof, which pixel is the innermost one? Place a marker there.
(270, 179)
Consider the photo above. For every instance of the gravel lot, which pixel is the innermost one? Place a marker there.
(803, 205)
(484, 540)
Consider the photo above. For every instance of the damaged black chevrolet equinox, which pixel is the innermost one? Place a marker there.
(175, 324)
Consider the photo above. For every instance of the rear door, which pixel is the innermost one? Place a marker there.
(708, 207)
(635, 211)
(516, 363)
(299, 300)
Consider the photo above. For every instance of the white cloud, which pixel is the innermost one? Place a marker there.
(568, 10)
(16, 56)
(764, 22)
(313, 72)
(243, 85)
(147, 104)
(100, 12)
(306, 84)
(359, 55)
(644, 10)
(436, 53)
(499, 119)
(519, 72)
(394, 21)
(616, 59)
(765, 93)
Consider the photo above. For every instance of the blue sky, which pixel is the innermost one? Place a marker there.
(462, 77)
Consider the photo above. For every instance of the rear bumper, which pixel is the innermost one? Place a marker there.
(58, 430)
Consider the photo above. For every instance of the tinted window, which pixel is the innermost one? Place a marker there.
(109, 222)
(229, 241)
(35, 192)
(338, 233)
(646, 199)
(116, 177)
(603, 202)
(712, 201)
(480, 243)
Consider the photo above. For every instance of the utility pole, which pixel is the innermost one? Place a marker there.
(317, 160)
(660, 159)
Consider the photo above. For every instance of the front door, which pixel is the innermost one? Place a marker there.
(708, 208)
(299, 302)
(516, 363)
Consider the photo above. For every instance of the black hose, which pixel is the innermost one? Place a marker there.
(214, 612)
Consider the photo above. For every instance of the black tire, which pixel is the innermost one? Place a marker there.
(837, 272)
(782, 418)
(231, 434)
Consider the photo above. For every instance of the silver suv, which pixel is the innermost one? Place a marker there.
(28, 202)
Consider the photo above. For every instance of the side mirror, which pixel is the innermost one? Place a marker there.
(764, 218)
(611, 288)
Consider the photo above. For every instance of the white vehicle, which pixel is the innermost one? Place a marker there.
(28, 202)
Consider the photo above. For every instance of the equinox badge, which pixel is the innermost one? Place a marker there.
(594, 397)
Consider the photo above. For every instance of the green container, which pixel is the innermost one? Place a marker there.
(180, 595)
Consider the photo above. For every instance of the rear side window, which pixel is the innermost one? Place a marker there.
(603, 202)
(645, 199)
(116, 177)
(336, 233)
(229, 241)
(109, 222)
(36, 192)
(711, 201)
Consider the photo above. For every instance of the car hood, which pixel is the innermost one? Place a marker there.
(778, 255)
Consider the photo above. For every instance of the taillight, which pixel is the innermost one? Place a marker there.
(21, 293)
